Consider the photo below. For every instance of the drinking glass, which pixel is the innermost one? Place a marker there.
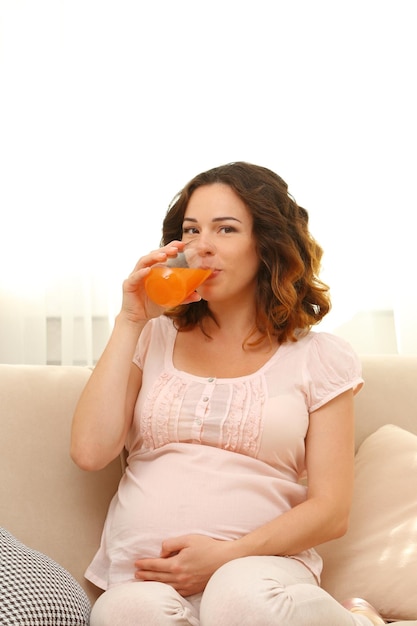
(169, 284)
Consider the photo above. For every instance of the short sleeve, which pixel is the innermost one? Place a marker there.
(333, 367)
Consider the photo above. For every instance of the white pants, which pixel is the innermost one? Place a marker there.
(251, 591)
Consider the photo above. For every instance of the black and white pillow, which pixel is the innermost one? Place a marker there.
(37, 591)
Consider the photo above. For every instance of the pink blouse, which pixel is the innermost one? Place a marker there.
(216, 456)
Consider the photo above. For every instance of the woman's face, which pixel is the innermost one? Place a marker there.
(220, 224)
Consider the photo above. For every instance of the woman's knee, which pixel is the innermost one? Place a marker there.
(255, 573)
(266, 591)
(254, 591)
(118, 605)
(142, 604)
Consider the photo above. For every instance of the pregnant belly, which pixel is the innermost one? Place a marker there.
(185, 488)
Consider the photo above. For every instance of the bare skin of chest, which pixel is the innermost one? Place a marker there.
(220, 357)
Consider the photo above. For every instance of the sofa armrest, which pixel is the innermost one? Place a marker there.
(46, 501)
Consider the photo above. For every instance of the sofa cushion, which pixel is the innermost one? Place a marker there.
(35, 590)
(377, 558)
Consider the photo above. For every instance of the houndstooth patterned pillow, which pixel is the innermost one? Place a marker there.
(37, 591)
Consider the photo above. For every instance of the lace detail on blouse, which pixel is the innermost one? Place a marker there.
(242, 429)
(224, 414)
(161, 407)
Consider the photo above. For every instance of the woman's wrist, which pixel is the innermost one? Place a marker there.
(124, 318)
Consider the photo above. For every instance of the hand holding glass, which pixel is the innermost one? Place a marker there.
(169, 284)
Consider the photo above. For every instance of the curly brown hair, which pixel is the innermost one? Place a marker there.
(290, 296)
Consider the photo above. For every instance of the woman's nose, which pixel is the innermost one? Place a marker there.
(204, 245)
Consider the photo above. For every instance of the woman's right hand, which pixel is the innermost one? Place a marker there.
(136, 305)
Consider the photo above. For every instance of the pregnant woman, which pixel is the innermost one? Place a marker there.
(224, 404)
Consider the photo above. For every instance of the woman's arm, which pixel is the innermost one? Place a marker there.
(330, 471)
(105, 410)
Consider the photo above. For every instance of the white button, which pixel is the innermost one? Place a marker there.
(210, 380)
(205, 399)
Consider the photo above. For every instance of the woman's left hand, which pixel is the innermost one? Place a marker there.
(186, 563)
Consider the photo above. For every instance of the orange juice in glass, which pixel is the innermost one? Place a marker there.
(168, 284)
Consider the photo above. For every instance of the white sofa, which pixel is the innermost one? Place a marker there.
(56, 508)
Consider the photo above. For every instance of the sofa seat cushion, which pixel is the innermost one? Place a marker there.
(37, 591)
(377, 558)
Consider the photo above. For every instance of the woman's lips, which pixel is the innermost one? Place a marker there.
(213, 274)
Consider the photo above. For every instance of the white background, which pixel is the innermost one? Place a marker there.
(107, 108)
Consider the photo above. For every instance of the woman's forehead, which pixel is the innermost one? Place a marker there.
(217, 201)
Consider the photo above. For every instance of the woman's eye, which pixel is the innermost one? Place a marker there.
(190, 230)
(228, 229)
